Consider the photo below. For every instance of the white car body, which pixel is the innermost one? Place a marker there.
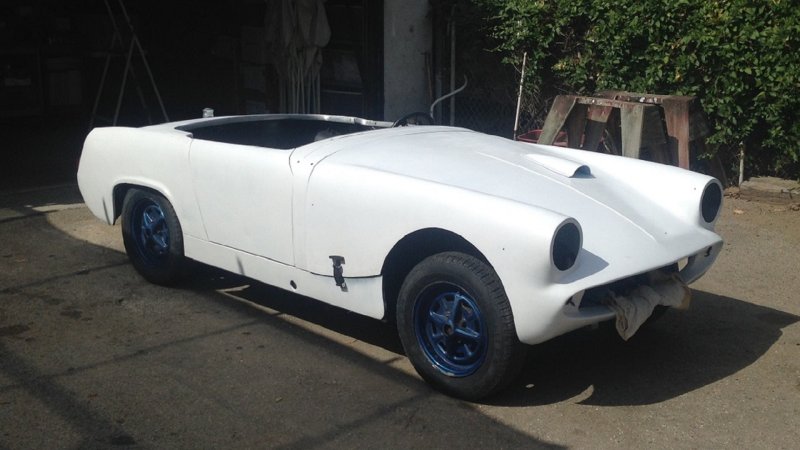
(277, 215)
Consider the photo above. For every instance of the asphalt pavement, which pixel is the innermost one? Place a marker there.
(92, 356)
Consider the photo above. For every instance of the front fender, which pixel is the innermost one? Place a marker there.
(361, 213)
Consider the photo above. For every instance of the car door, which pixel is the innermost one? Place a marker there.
(244, 194)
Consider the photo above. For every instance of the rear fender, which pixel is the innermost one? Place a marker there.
(117, 157)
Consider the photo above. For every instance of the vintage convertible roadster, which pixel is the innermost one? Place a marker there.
(474, 244)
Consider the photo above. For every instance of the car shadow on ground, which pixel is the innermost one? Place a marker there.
(120, 337)
(683, 351)
(375, 332)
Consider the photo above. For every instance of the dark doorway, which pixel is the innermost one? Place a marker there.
(352, 66)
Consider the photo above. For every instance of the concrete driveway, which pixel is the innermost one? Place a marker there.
(92, 356)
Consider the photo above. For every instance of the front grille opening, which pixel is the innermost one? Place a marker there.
(597, 295)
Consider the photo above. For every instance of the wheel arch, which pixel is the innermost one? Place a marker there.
(410, 251)
(120, 190)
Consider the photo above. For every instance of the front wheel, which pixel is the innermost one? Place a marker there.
(456, 326)
(152, 236)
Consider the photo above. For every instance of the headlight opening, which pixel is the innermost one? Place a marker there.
(567, 243)
(711, 202)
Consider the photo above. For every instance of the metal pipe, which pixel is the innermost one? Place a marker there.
(741, 164)
(444, 97)
(452, 70)
(519, 96)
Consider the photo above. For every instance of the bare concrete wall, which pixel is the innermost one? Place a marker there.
(406, 39)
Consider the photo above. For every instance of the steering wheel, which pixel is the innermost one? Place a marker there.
(414, 118)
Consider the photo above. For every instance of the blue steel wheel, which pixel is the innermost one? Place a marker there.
(456, 325)
(152, 236)
(450, 329)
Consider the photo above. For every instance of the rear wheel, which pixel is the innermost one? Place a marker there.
(152, 236)
(456, 326)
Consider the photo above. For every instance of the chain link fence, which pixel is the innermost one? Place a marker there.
(489, 102)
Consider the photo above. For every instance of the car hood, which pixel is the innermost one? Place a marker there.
(603, 193)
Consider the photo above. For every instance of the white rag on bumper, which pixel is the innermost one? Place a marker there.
(636, 307)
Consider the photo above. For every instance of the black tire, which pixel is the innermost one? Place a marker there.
(457, 328)
(152, 236)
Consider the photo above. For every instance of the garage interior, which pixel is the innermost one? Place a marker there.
(63, 70)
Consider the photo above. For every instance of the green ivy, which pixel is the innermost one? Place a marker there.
(740, 57)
